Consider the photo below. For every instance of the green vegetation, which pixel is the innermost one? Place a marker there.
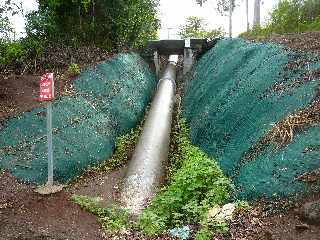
(112, 219)
(115, 23)
(196, 185)
(290, 16)
(111, 25)
(195, 28)
(209, 227)
(73, 70)
(242, 205)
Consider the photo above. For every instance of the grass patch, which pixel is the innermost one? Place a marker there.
(113, 219)
(196, 184)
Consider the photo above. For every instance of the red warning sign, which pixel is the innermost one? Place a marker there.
(46, 87)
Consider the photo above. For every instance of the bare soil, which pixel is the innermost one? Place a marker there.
(103, 185)
(279, 220)
(25, 214)
(306, 42)
(19, 93)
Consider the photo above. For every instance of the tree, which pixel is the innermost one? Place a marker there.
(290, 16)
(107, 23)
(7, 9)
(247, 15)
(6, 29)
(195, 28)
(256, 18)
(224, 7)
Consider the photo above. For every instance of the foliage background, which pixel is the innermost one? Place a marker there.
(195, 28)
(290, 16)
(113, 25)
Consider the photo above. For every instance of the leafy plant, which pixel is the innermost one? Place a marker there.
(196, 186)
(12, 53)
(73, 70)
(112, 23)
(241, 205)
(203, 234)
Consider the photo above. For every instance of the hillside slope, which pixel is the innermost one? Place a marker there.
(255, 108)
(106, 101)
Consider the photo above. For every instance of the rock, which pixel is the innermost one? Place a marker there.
(310, 212)
(182, 233)
(214, 212)
(226, 212)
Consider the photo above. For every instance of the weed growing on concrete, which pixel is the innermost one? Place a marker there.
(197, 183)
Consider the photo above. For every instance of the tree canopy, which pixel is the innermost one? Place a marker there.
(290, 16)
(195, 28)
(111, 23)
(222, 6)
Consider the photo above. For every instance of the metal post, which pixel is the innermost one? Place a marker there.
(247, 13)
(49, 139)
(188, 56)
(156, 63)
(230, 18)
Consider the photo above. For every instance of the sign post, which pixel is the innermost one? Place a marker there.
(49, 139)
(47, 95)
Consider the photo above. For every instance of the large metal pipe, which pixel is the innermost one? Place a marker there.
(146, 168)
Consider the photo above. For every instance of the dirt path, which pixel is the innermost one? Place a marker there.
(105, 186)
(25, 214)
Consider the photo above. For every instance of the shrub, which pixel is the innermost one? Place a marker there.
(195, 187)
(19, 53)
(12, 53)
(73, 70)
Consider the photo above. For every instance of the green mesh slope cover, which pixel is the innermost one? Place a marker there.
(228, 109)
(109, 100)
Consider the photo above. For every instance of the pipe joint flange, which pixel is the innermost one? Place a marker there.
(169, 79)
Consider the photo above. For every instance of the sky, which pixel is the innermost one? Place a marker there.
(173, 14)
(17, 20)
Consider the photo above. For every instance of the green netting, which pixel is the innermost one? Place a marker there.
(109, 100)
(234, 95)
